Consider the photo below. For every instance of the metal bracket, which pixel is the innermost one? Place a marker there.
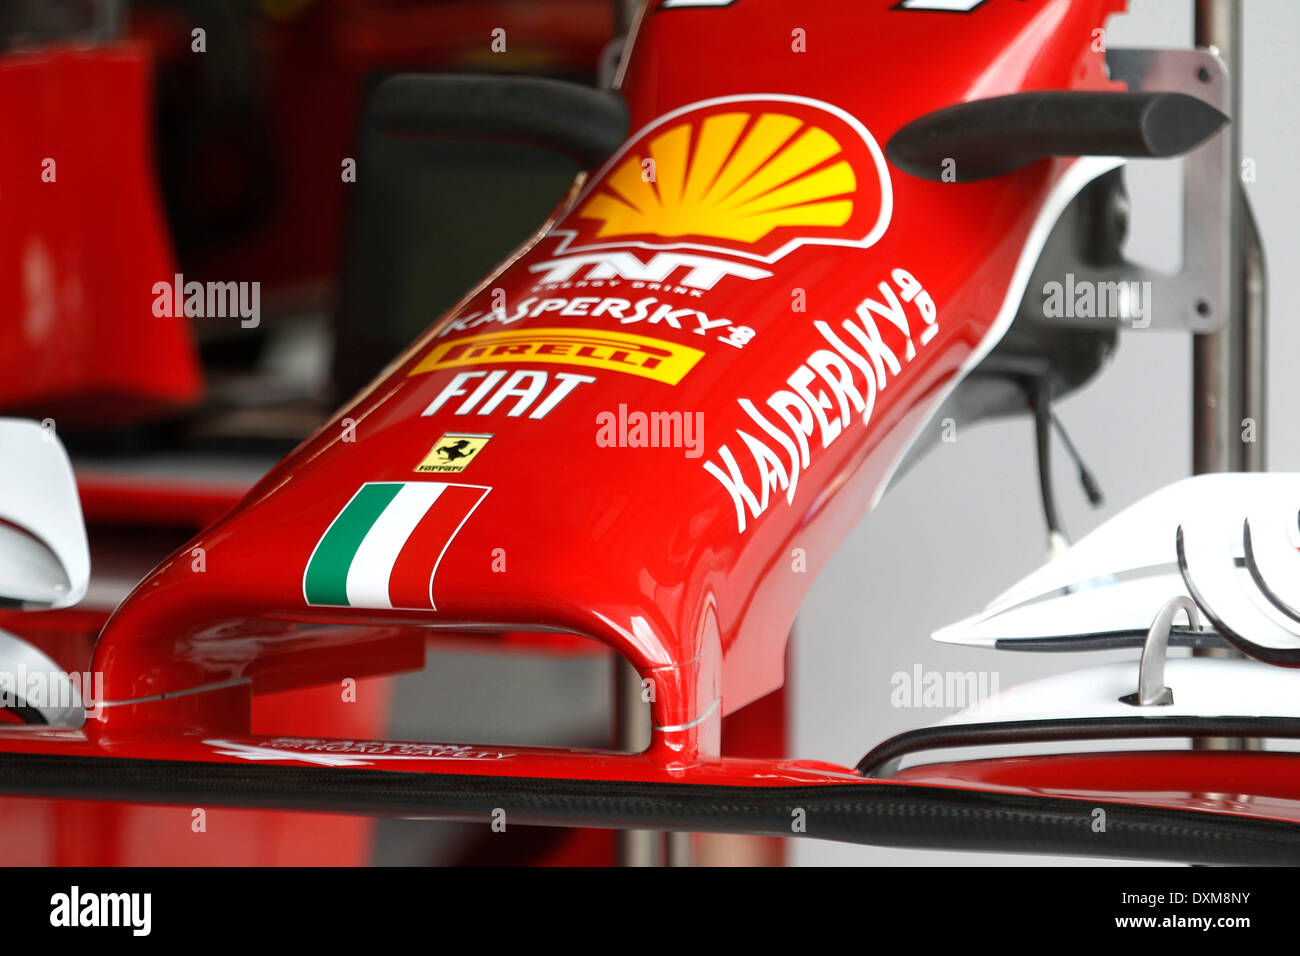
(1152, 691)
(1195, 299)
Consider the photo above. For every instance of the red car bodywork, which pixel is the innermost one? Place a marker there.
(639, 547)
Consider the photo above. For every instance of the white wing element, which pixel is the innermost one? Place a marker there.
(32, 679)
(1236, 536)
(44, 557)
(1201, 687)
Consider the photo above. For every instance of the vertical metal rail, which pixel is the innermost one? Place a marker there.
(632, 730)
(111, 22)
(624, 16)
(679, 850)
(1228, 365)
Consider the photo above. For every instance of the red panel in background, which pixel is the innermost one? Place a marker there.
(84, 242)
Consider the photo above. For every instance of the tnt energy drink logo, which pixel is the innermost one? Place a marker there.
(638, 355)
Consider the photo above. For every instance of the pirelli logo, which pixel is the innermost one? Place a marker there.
(640, 355)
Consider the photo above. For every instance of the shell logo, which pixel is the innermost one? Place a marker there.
(753, 176)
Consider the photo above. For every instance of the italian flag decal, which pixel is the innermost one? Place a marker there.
(384, 548)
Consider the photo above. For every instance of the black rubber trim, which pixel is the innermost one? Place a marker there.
(1281, 656)
(987, 137)
(583, 123)
(881, 814)
(29, 715)
(1108, 641)
(1248, 546)
(998, 733)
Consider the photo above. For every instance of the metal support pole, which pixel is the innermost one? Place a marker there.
(1220, 370)
(679, 849)
(632, 731)
(1228, 371)
(624, 15)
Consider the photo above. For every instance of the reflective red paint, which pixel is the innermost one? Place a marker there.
(640, 548)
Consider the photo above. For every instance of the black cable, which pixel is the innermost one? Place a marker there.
(1040, 401)
(1044, 419)
(1086, 478)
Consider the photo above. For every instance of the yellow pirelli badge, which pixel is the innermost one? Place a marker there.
(640, 355)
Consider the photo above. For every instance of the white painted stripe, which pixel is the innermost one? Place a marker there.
(942, 6)
(372, 565)
(709, 711)
(447, 544)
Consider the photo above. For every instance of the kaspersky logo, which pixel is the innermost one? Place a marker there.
(724, 187)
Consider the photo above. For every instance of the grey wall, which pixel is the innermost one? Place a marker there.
(966, 523)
